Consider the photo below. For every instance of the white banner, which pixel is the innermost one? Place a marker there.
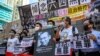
(73, 3)
(43, 6)
(26, 42)
(85, 1)
(35, 9)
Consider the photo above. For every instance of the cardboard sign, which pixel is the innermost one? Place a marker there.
(62, 48)
(45, 44)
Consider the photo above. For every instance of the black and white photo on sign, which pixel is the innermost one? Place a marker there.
(52, 4)
(44, 45)
(85, 1)
(44, 39)
(63, 3)
(73, 2)
(35, 8)
(78, 44)
(83, 42)
(62, 48)
(87, 43)
(43, 6)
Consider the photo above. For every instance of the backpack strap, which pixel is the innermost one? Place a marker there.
(73, 30)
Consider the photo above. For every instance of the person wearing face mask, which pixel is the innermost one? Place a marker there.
(38, 26)
(66, 30)
(93, 35)
(50, 23)
(11, 43)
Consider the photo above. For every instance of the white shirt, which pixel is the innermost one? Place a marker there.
(67, 32)
(11, 44)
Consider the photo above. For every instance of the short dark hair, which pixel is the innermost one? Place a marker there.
(13, 31)
(51, 21)
(38, 24)
(90, 22)
(23, 33)
(26, 30)
(67, 19)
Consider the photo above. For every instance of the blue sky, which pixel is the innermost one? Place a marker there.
(33, 1)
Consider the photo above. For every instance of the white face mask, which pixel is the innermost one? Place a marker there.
(49, 25)
(37, 28)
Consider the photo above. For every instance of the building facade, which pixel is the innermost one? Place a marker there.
(5, 13)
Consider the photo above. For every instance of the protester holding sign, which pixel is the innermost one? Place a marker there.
(67, 30)
(95, 36)
(12, 41)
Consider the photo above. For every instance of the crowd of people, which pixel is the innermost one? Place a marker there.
(62, 32)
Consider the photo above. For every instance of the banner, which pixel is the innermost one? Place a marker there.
(85, 1)
(25, 11)
(56, 18)
(26, 42)
(77, 11)
(26, 16)
(35, 9)
(45, 44)
(62, 12)
(63, 3)
(2, 50)
(73, 3)
(52, 5)
(43, 6)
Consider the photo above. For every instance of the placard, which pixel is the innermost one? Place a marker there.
(63, 3)
(73, 3)
(45, 44)
(82, 42)
(27, 42)
(63, 48)
(35, 9)
(52, 5)
(43, 6)
(26, 16)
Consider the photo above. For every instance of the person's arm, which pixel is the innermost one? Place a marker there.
(57, 37)
(93, 37)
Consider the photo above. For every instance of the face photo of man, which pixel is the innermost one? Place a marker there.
(44, 38)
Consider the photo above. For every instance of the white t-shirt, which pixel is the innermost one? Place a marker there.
(11, 43)
(67, 32)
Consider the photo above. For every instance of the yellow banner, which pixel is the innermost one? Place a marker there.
(77, 10)
(56, 18)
